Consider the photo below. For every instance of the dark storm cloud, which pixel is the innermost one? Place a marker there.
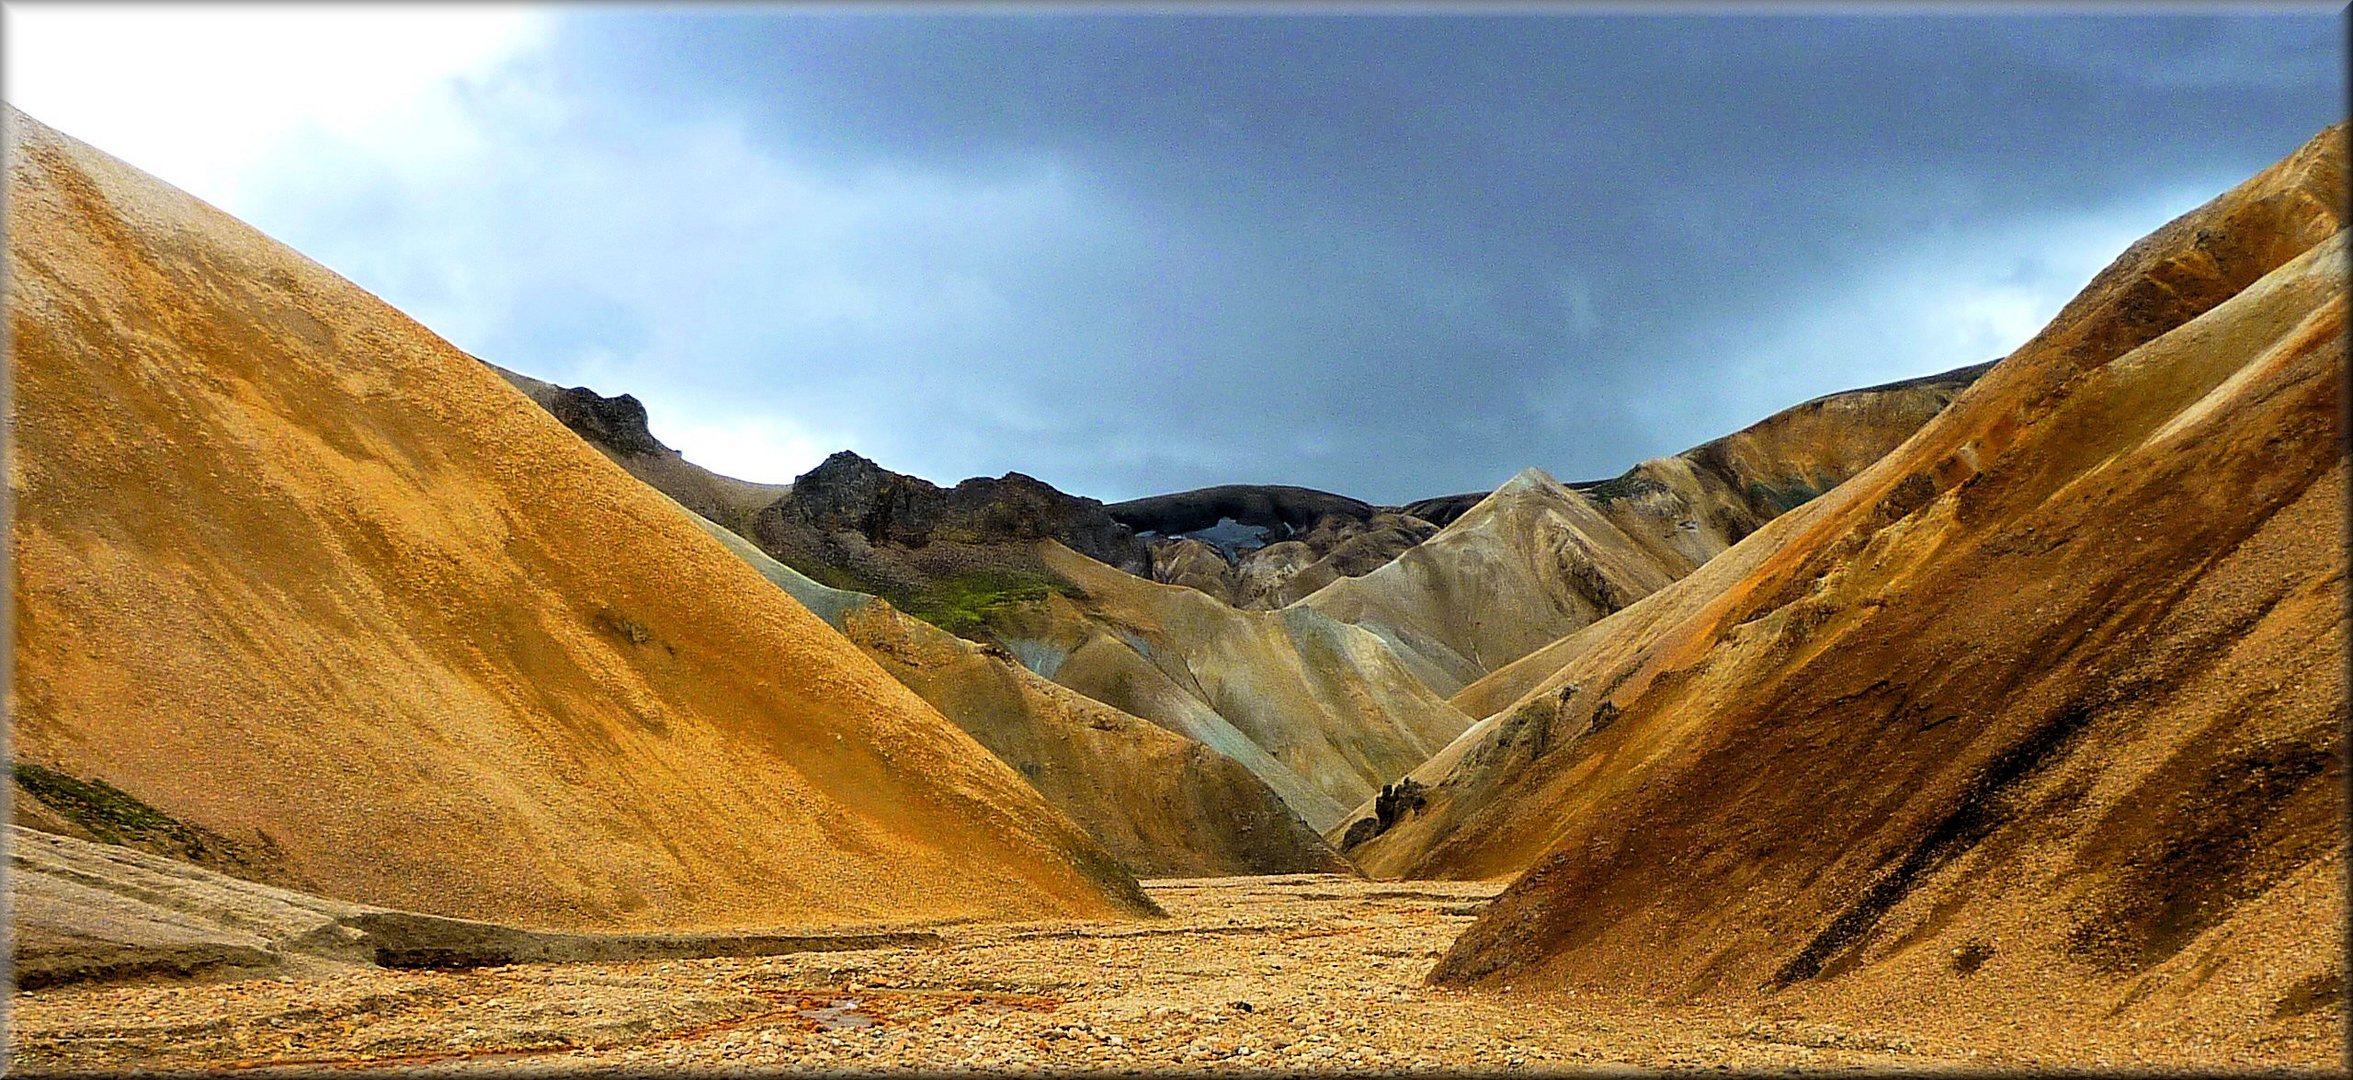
(1398, 256)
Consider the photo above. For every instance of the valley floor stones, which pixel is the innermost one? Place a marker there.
(1293, 974)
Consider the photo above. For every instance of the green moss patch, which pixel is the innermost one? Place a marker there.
(963, 605)
(1626, 486)
(112, 815)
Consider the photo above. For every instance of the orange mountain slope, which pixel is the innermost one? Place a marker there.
(2044, 707)
(294, 572)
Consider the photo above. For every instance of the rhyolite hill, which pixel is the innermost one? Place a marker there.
(293, 574)
(2037, 719)
(1324, 698)
(2010, 696)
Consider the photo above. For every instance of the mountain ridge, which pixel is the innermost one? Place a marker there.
(1573, 554)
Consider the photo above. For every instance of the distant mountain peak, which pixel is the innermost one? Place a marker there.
(1529, 479)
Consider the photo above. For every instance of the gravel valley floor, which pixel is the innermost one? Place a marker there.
(1303, 973)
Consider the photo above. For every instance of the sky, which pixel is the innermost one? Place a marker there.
(1392, 253)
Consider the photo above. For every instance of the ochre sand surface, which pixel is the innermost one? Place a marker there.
(296, 572)
(1300, 973)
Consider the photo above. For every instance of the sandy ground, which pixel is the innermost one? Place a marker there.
(1301, 973)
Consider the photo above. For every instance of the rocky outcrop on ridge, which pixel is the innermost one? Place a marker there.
(616, 422)
(854, 524)
(617, 428)
(1272, 543)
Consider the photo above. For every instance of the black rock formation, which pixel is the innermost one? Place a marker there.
(616, 423)
(852, 523)
(1282, 510)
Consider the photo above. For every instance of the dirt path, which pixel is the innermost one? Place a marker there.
(1298, 973)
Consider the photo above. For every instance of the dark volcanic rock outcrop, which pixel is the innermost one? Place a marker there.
(615, 422)
(851, 523)
(1442, 510)
(1282, 510)
(616, 427)
(848, 492)
(1266, 545)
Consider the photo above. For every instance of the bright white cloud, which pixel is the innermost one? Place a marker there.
(760, 448)
(198, 93)
(390, 141)
(714, 277)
